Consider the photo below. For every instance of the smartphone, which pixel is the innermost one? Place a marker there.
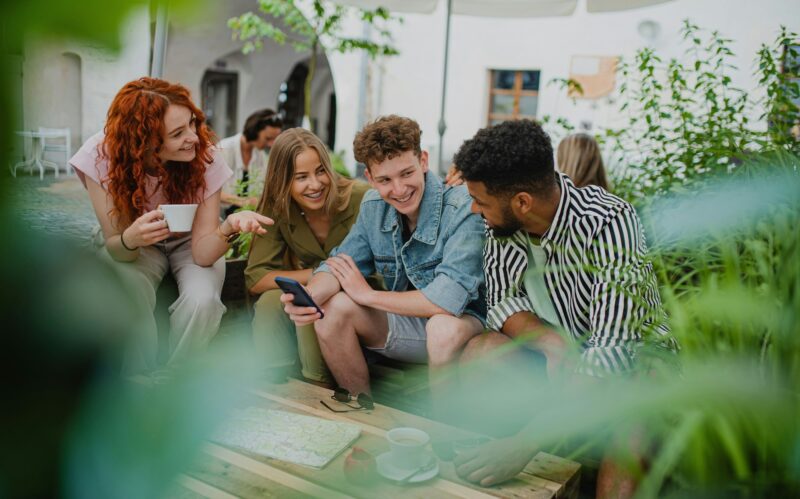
(301, 297)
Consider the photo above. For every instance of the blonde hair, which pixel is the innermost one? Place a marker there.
(277, 195)
(579, 158)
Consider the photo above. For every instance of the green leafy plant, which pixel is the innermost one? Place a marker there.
(718, 192)
(320, 30)
(686, 119)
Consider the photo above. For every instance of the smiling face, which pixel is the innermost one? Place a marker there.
(266, 137)
(310, 182)
(401, 181)
(496, 210)
(180, 135)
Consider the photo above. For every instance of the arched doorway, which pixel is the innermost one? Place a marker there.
(220, 90)
(323, 100)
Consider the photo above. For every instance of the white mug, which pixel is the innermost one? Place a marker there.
(179, 216)
(408, 447)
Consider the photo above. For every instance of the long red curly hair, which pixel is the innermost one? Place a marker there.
(134, 134)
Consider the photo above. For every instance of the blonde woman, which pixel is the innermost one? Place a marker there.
(313, 208)
(579, 158)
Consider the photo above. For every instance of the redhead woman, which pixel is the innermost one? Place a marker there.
(313, 208)
(156, 149)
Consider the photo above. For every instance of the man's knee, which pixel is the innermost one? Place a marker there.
(338, 310)
(482, 344)
(446, 337)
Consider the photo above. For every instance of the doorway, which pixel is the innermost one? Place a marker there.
(219, 96)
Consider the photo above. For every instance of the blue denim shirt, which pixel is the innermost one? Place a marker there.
(443, 258)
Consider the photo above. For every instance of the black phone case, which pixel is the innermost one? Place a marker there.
(301, 298)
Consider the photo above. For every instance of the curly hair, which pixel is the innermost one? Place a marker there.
(385, 138)
(134, 135)
(510, 157)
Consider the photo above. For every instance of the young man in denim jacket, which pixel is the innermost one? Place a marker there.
(421, 237)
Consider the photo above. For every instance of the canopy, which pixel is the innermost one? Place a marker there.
(504, 8)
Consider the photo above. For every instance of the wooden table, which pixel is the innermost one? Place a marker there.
(227, 472)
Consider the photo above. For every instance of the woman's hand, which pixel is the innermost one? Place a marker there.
(453, 177)
(246, 221)
(146, 230)
(301, 316)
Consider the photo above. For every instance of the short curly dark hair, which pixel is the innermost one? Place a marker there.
(385, 138)
(510, 157)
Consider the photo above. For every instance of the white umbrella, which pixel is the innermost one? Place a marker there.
(494, 8)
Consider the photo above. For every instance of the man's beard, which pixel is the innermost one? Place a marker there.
(509, 226)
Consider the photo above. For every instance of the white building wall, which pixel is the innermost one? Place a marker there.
(49, 87)
(198, 42)
(412, 82)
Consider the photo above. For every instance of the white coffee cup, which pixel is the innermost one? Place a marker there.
(408, 447)
(179, 216)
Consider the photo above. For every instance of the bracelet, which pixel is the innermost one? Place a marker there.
(227, 238)
(122, 240)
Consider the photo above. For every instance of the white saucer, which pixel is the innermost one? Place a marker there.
(387, 469)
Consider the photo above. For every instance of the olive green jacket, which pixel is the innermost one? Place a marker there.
(290, 244)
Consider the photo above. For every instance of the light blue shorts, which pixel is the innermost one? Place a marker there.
(407, 339)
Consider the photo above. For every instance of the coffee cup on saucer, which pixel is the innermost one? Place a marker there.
(408, 460)
(408, 447)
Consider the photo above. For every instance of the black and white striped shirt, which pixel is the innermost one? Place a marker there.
(602, 287)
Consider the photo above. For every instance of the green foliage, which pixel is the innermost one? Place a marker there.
(719, 195)
(322, 28)
(337, 160)
(687, 120)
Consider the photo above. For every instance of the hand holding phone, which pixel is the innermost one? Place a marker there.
(301, 296)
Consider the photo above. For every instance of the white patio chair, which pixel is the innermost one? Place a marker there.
(60, 144)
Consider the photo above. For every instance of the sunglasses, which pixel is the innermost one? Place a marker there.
(343, 396)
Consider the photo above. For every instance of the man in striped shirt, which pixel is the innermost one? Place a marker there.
(564, 267)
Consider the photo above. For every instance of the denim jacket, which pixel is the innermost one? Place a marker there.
(443, 258)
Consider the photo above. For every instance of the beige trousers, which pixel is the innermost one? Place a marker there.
(278, 341)
(194, 316)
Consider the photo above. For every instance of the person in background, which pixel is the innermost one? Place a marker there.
(314, 208)
(579, 158)
(156, 149)
(246, 154)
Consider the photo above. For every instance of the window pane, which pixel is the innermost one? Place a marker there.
(528, 104)
(530, 80)
(502, 104)
(503, 79)
(495, 122)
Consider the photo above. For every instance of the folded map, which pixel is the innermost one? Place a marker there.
(287, 436)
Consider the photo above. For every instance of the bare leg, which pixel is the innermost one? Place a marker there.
(341, 333)
(617, 476)
(499, 383)
(446, 337)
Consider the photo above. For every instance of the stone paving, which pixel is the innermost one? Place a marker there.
(59, 206)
